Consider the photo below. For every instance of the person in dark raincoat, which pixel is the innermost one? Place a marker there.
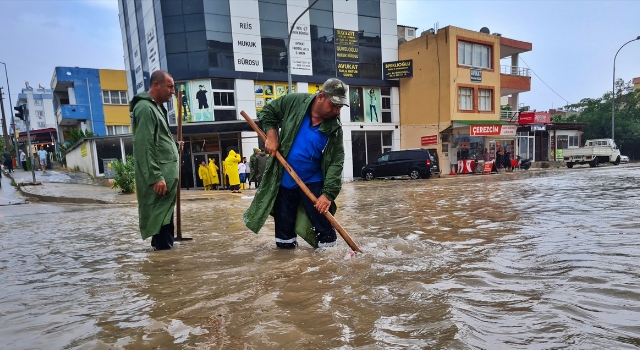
(311, 141)
(156, 161)
(253, 166)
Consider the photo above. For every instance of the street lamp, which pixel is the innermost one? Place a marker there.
(289, 46)
(15, 139)
(613, 98)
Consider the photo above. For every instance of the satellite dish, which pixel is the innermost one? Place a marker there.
(485, 30)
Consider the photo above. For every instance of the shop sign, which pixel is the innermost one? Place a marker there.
(397, 69)
(83, 149)
(429, 140)
(538, 127)
(529, 118)
(476, 75)
(347, 53)
(493, 130)
(245, 31)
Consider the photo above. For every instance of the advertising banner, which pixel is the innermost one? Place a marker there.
(356, 104)
(493, 130)
(245, 31)
(397, 69)
(184, 89)
(347, 53)
(372, 104)
(202, 109)
(531, 118)
(266, 92)
(476, 75)
(429, 140)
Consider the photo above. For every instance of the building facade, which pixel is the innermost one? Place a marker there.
(453, 105)
(228, 56)
(90, 99)
(636, 83)
(39, 104)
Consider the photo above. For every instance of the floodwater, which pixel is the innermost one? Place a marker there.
(529, 260)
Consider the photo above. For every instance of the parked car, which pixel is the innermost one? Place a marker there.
(415, 163)
(624, 159)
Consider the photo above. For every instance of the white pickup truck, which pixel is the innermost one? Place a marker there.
(594, 152)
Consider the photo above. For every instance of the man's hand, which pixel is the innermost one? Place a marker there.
(323, 204)
(181, 145)
(160, 187)
(272, 143)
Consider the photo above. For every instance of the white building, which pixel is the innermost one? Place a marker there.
(39, 104)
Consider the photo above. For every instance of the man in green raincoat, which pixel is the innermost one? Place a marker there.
(311, 140)
(156, 161)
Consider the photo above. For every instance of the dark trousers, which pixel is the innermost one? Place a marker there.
(9, 165)
(286, 207)
(164, 239)
(24, 165)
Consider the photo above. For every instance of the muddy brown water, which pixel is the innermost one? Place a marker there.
(530, 260)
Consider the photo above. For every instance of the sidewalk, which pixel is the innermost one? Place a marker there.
(75, 187)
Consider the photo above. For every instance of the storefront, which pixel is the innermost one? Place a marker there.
(45, 138)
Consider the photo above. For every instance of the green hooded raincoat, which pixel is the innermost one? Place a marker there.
(156, 158)
(288, 112)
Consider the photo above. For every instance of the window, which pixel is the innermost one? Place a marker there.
(115, 97)
(484, 100)
(37, 102)
(465, 99)
(410, 32)
(223, 99)
(118, 129)
(385, 97)
(474, 55)
(573, 141)
(39, 114)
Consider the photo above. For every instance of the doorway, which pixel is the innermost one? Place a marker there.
(199, 158)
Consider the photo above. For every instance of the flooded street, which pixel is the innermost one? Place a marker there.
(529, 260)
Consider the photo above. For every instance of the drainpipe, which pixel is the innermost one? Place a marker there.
(93, 129)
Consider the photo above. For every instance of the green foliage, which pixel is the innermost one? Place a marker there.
(557, 118)
(125, 175)
(596, 112)
(505, 107)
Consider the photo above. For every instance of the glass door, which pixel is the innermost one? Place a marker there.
(197, 159)
(216, 159)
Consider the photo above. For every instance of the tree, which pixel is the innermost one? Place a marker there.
(596, 112)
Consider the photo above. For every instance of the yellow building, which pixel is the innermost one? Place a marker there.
(636, 83)
(115, 101)
(454, 95)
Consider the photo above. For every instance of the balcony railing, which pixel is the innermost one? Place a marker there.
(509, 116)
(518, 71)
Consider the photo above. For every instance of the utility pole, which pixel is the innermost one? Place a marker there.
(5, 132)
(28, 119)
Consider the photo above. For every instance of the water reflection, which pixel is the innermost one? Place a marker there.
(524, 260)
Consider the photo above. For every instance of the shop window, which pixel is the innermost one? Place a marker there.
(485, 100)
(465, 102)
(563, 142)
(368, 146)
(386, 105)
(474, 55)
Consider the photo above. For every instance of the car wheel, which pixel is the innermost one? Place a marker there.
(594, 163)
(369, 176)
(617, 162)
(414, 174)
(569, 165)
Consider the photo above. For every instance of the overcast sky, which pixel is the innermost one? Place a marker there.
(574, 42)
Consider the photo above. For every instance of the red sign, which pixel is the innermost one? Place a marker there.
(493, 130)
(487, 167)
(534, 118)
(429, 140)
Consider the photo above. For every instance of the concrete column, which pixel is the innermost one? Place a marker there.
(514, 101)
(514, 63)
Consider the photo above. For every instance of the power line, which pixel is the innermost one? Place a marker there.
(537, 76)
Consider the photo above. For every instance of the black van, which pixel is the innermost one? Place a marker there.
(415, 163)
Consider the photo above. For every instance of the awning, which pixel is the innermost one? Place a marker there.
(463, 123)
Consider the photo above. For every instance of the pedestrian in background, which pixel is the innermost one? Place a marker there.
(42, 154)
(213, 170)
(156, 165)
(205, 175)
(23, 160)
(247, 173)
(253, 166)
(310, 138)
(242, 168)
(7, 161)
(231, 168)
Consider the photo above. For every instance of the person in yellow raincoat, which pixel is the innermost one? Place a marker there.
(213, 170)
(205, 175)
(231, 168)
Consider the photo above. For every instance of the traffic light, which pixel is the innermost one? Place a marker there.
(20, 112)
